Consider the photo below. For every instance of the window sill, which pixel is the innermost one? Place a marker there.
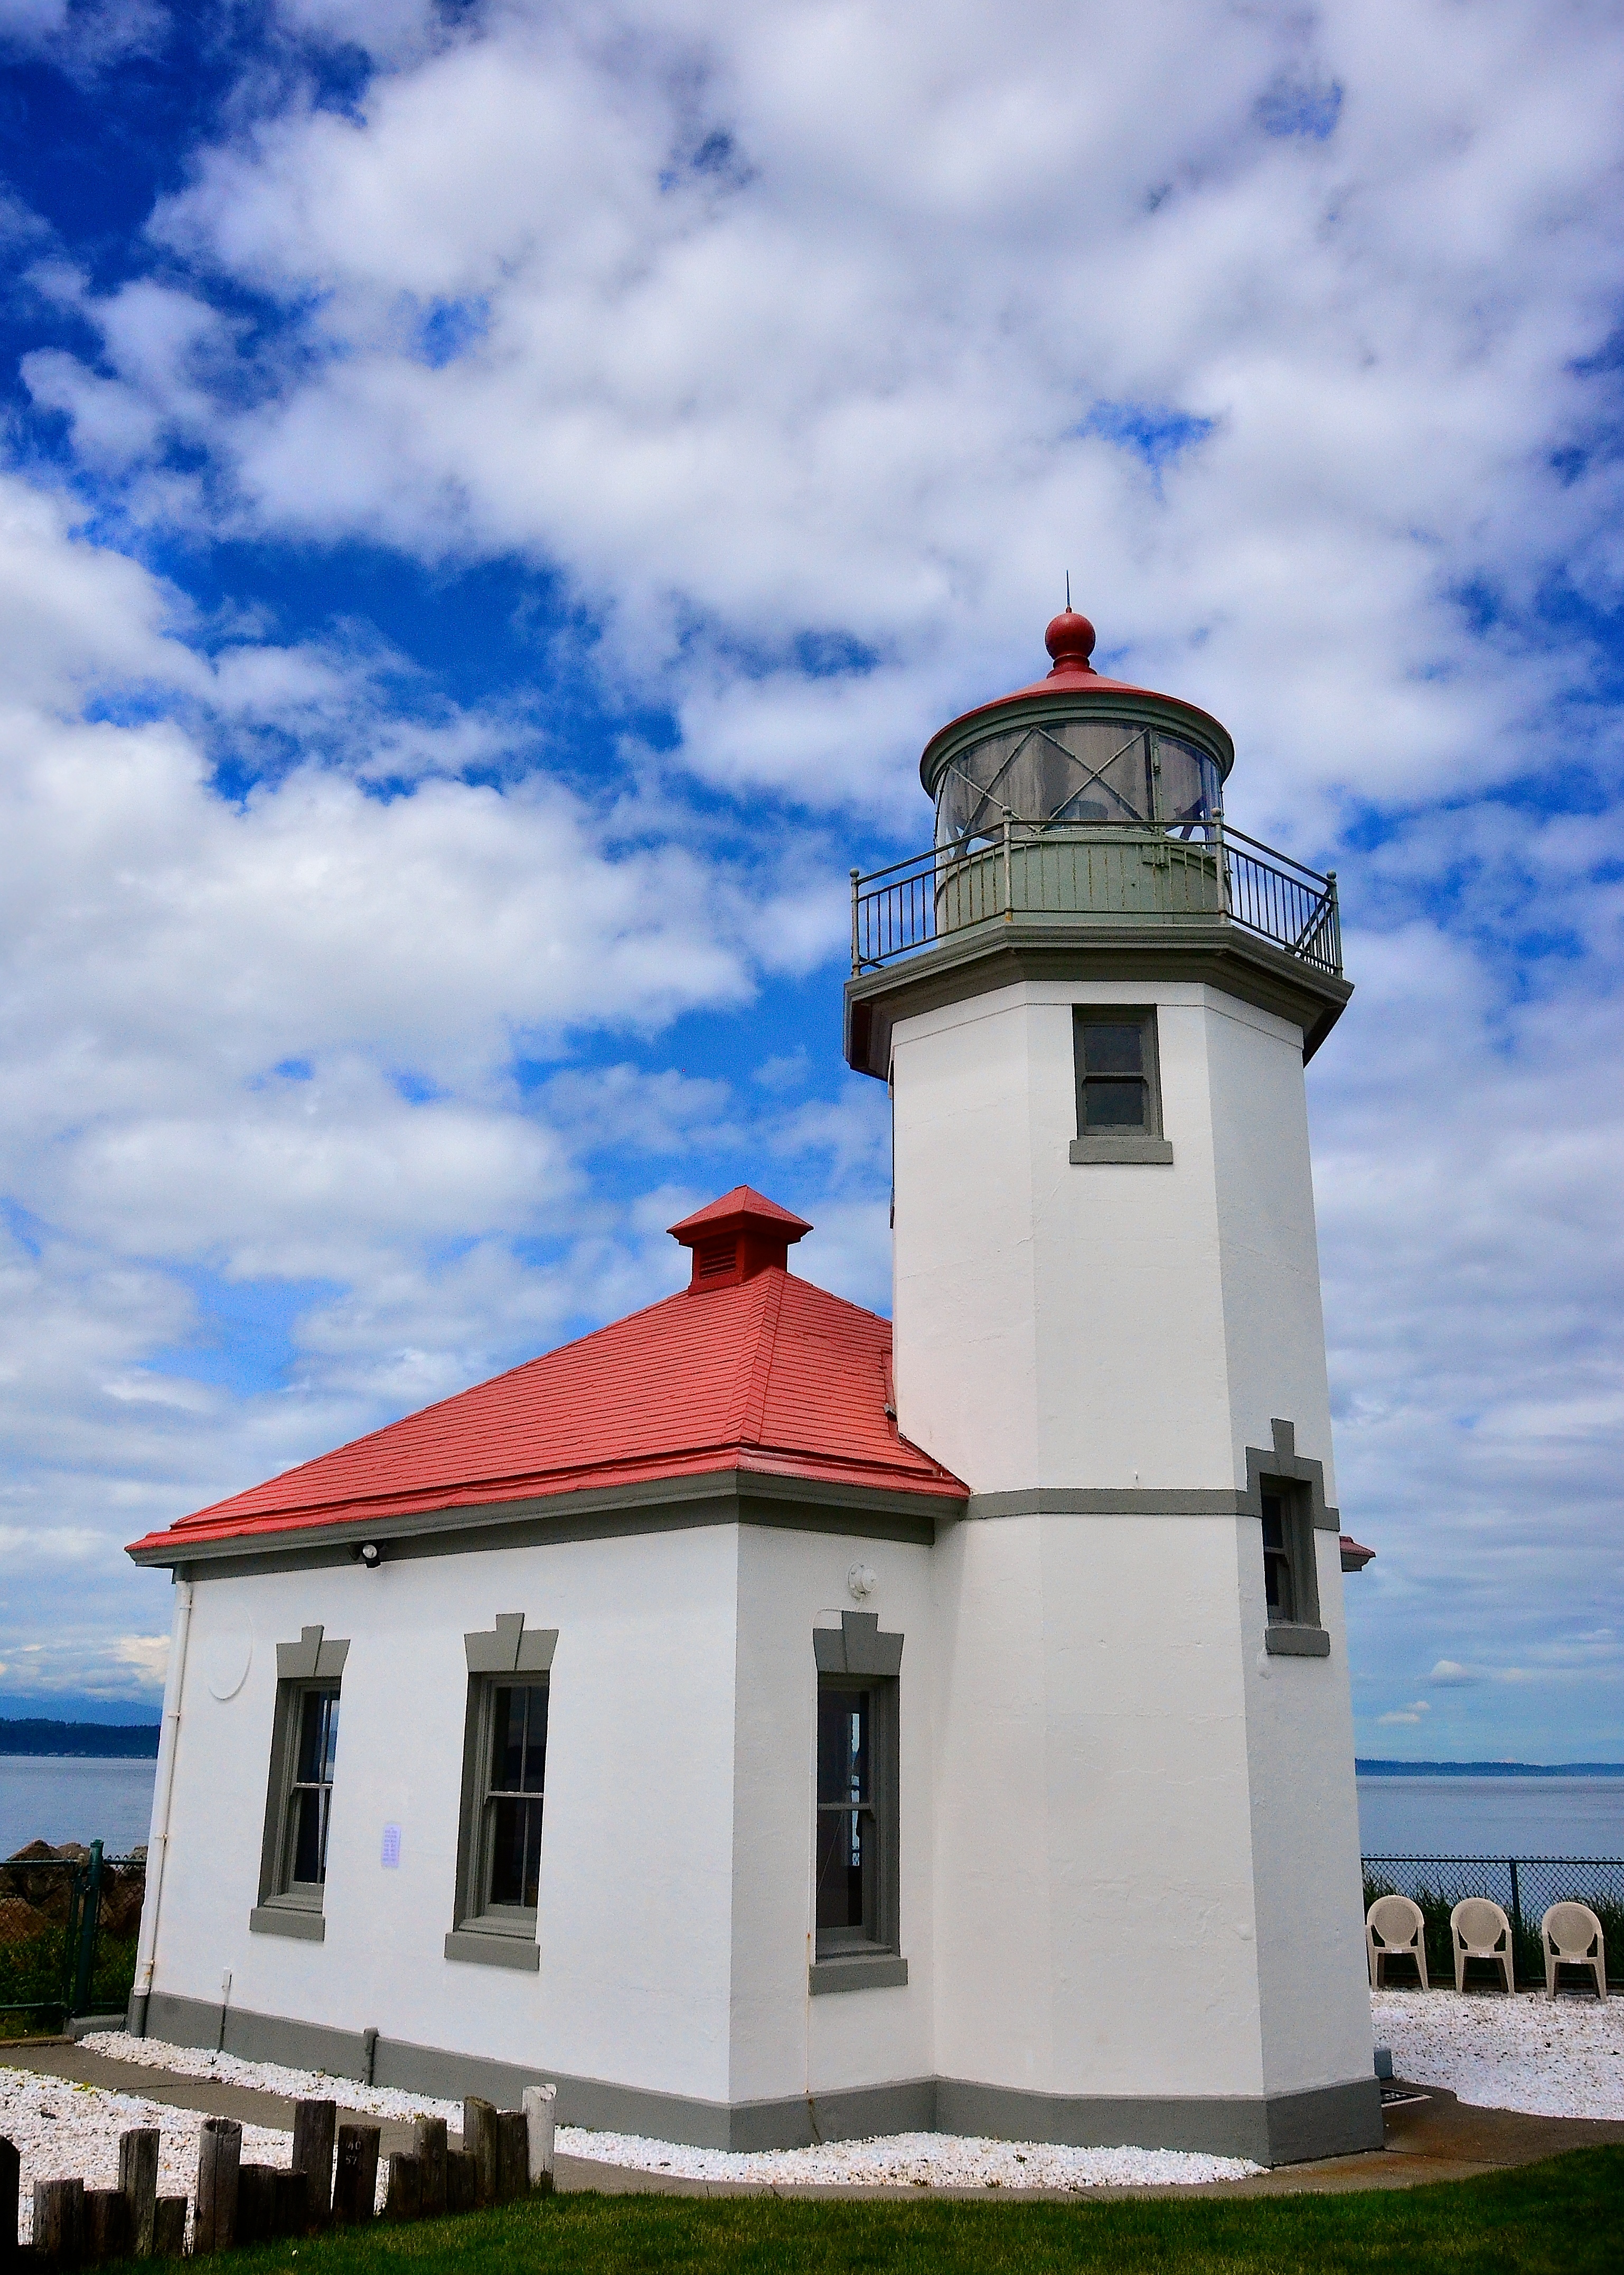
(482, 1948)
(1287, 1639)
(1125, 1148)
(878, 1970)
(288, 1919)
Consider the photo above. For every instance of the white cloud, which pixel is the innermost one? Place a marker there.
(780, 339)
(764, 328)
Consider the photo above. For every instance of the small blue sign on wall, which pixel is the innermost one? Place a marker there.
(390, 1855)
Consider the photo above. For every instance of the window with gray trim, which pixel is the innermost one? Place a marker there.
(304, 1757)
(1288, 1576)
(1118, 1074)
(1286, 1493)
(856, 1802)
(504, 1778)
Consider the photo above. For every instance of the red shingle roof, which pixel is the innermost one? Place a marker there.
(768, 1374)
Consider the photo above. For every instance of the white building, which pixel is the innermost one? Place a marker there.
(968, 1749)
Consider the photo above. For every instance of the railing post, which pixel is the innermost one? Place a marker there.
(1008, 886)
(856, 966)
(1223, 866)
(1517, 1893)
(89, 1920)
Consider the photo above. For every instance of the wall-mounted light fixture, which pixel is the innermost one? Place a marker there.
(370, 1554)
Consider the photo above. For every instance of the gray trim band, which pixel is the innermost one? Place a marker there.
(597, 1512)
(1294, 1639)
(1284, 2129)
(1120, 1151)
(1075, 949)
(1109, 1500)
(283, 1919)
(467, 1942)
(862, 1972)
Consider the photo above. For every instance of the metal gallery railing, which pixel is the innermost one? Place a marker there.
(1196, 870)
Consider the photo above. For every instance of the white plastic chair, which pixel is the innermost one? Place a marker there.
(1479, 1930)
(1395, 1928)
(1571, 1936)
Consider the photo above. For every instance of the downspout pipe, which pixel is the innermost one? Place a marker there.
(162, 1797)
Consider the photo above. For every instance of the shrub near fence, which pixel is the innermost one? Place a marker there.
(1525, 1888)
(69, 1919)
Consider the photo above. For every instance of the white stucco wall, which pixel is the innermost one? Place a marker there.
(1096, 1927)
(636, 1875)
(1147, 1852)
(787, 2042)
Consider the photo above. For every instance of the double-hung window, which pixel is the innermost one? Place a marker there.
(298, 1807)
(504, 1787)
(1119, 1085)
(855, 1810)
(849, 1833)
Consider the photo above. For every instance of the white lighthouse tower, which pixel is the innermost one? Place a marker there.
(1093, 1001)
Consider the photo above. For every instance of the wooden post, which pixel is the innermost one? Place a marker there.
(256, 2202)
(480, 2134)
(220, 2152)
(512, 2156)
(313, 2126)
(540, 2103)
(355, 2186)
(169, 2228)
(107, 2225)
(430, 2145)
(59, 2221)
(11, 2191)
(405, 2200)
(289, 2203)
(462, 2180)
(138, 2177)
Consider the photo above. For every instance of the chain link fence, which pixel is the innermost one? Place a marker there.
(1525, 1888)
(69, 1919)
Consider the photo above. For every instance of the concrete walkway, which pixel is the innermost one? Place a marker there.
(1437, 2138)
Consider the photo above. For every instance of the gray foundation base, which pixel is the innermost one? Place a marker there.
(1333, 2121)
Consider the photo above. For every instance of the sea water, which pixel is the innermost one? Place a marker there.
(45, 1797)
(1446, 1815)
(54, 1798)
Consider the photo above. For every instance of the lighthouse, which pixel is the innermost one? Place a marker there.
(1093, 1000)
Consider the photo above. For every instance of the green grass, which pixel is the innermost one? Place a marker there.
(1565, 2217)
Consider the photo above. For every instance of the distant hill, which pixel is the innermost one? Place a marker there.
(104, 1740)
(1483, 1769)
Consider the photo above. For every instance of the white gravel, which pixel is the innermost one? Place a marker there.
(1548, 2058)
(901, 2160)
(62, 2130)
(270, 2077)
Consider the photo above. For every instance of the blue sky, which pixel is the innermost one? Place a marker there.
(494, 499)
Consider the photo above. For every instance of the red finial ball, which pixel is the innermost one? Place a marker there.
(1070, 641)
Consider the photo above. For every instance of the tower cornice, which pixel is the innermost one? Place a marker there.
(1071, 947)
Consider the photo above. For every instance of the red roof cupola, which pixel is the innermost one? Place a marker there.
(737, 1237)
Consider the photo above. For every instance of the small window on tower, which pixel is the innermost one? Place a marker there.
(1118, 1086)
(1291, 1587)
(1277, 1588)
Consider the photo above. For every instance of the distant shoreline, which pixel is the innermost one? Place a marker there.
(1378, 1769)
(37, 1740)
